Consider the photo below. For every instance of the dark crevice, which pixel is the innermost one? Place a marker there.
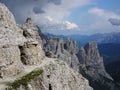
(50, 87)
(22, 55)
(48, 76)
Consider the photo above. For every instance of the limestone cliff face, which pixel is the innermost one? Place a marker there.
(92, 67)
(6, 17)
(71, 46)
(57, 76)
(15, 48)
(18, 46)
(93, 62)
(58, 48)
(31, 51)
(86, 57)
(86, 60)
(21, 52)
(10, 38)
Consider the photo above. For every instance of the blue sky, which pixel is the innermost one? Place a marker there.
(69, 16)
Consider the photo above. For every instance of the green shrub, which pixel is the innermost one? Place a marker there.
(23, 80)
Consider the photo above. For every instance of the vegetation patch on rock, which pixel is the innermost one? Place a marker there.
(23, 80)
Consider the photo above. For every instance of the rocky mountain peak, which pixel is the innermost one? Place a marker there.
(6, 17)
(62, 49)
(23, 64)
(92, 53)
(29, 21)
(71, 45)
(90, 57)
(91, 45)
(92, 66)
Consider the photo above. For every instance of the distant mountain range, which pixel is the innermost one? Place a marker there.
(109, 44)
(109, 47)
(99, 38)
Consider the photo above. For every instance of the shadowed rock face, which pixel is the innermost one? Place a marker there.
(92, 68)
(90, 58)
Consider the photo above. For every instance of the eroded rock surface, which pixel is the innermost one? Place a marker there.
(92, 68)
(10, 38)
(57, 76)
(86, 60)
(90, 58)
(58, 48)
(18, 46)
(31, 51)
(21, 52)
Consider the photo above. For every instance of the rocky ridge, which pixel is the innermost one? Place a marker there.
(89, 57)
(55, 48)
(57, 76)
(86, 60)
(21, 53)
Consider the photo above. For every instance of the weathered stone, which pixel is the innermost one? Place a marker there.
(10, 38)
(6, 17)
(57, 76)
(89, 56)
(58, 48)
(71, 46)
(21, 47)
(30, 54)
(10, 63)
(92, 68)
(31, 51)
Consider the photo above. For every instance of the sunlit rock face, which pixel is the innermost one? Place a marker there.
(6, 17)
(57, 76)
(18, 46)
(21, 53)
(10, 39)
(31, 51)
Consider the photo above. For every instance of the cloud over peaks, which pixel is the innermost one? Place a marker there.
(52, 25)
(50, 15)
(114, 21)
(58, 9)
(103, 20)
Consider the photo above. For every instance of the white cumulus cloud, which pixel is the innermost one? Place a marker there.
(103, 13)
(53, 25)
(49, 14)
(100, 21)
(70, 25)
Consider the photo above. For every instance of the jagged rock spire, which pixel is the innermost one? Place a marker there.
(29, 20)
